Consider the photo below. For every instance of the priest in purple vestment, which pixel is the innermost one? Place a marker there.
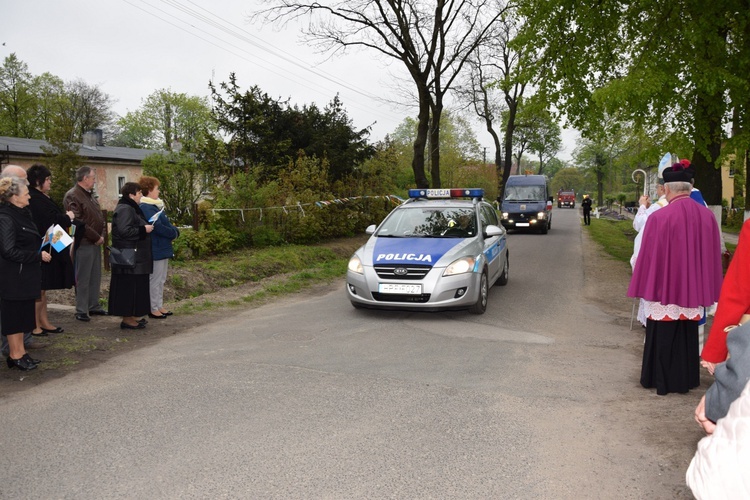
(677, 273)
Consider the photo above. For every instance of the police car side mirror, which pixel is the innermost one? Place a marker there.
(493, 230)
(371, 229)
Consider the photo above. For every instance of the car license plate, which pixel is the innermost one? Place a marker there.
(522, 224)
(401, 289)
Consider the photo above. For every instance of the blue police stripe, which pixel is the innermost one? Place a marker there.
(425, 251)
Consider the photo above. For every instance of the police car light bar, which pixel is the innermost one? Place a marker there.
(447, 193)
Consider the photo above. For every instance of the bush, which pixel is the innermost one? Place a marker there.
(211, 242)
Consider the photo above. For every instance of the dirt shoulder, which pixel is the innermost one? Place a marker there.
(86, 345)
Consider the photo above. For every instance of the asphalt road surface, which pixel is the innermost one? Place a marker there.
(310, 398)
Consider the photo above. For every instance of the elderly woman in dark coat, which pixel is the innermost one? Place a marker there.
(57, 274)
(20, 271)
(129, 288)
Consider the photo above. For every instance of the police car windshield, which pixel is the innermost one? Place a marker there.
(411, 222)
(524, 193)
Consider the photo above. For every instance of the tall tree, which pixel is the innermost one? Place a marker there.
(664, 63)
(166, 121)
(83, 108)
(496, 86)
(17, 102)
(432, 41)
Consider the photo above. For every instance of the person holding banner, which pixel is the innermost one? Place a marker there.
(58, 273)
(161, 243)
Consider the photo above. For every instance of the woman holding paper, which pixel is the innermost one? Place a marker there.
(161, 243)
(20, 270)
(58, 273)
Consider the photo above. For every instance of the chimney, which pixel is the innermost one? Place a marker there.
(99, 137)
(89, 140)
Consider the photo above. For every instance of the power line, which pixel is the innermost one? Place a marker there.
(195, 30)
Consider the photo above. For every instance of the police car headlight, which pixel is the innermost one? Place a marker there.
(460, 266)
(355, 265)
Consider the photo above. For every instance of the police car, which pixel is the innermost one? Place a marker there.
(441, 249)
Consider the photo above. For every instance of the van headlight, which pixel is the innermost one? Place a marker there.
(505, 215)
(355, 265)
(541, 215)
(460, 266)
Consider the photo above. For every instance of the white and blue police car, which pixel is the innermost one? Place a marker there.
(441, 249)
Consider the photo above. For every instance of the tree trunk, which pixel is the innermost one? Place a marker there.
(509, 129)
(434, 144)
(423, 125)
(709, 110)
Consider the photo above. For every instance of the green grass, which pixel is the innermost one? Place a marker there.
(316, 272)
(616, 237)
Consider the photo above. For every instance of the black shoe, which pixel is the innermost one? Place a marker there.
(98, 312)
(83, 317)
(56, 330)
(161, 316)
(168, 313)
(40, 334)
(143, 321)
(125, 326)
(22, 364)
(29, 358)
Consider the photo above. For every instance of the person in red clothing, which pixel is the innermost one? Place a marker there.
(734, 302)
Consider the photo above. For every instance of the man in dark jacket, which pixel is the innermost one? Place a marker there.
(586, 204)
(88, 255)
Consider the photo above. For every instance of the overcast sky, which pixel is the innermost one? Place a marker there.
(130, 48)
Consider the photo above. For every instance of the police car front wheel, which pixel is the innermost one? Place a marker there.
(484, 290)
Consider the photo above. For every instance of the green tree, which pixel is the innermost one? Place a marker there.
(265, 134)
(674, 65)
(182, 181)
(49, 92)
(63, 161)
(167, 119)
(17, 102)
(568, 178)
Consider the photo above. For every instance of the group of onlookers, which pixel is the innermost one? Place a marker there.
(29, 266)
(677, 274)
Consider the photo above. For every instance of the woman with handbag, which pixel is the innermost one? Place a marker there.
(131, 242)
(20, 269)
(57, 274)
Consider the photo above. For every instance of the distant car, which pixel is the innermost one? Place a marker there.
(442, 249)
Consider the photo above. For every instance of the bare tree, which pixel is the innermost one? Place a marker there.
(433, 40)
(498, 67)
(84, 107)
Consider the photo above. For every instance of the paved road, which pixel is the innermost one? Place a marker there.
(310, 398)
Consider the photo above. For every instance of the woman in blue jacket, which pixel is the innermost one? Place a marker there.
(161, 243)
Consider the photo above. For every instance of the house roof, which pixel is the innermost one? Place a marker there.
(33, 147)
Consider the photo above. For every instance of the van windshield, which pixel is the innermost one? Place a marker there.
(524, 193)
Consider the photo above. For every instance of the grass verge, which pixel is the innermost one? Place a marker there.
(616, 237)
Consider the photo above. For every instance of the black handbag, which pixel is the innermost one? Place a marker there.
(122, 258)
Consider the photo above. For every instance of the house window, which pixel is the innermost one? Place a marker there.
(120, 184)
